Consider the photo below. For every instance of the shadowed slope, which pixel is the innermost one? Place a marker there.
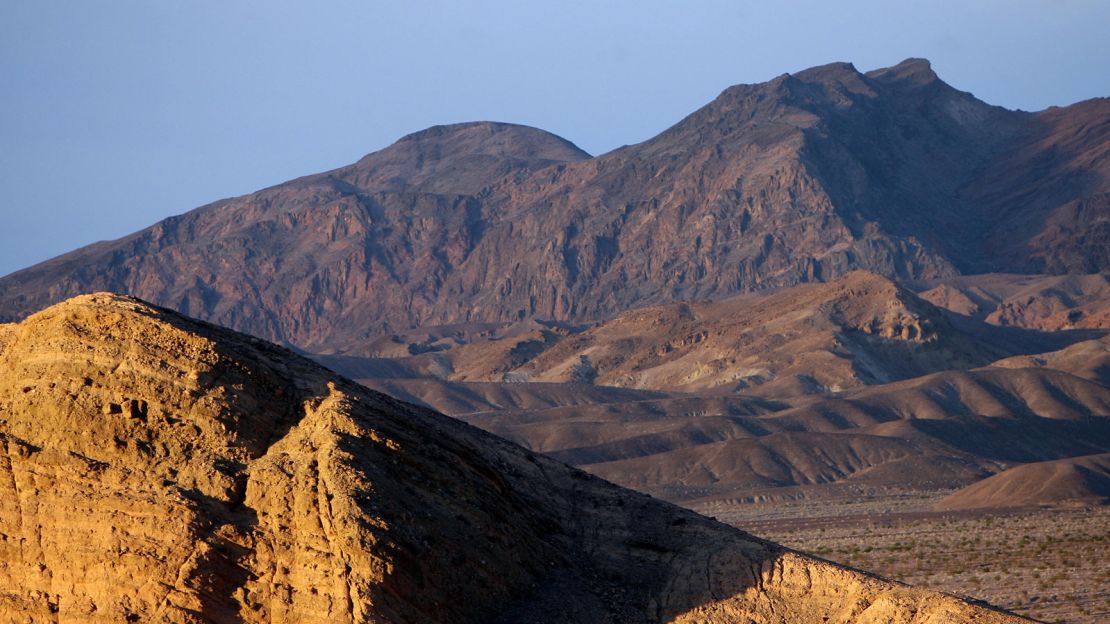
(161, 469)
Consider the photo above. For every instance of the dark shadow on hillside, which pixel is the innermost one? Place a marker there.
(1021, 439)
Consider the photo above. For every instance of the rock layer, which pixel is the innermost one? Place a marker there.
(158, 469)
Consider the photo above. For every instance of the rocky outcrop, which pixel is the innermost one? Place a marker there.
(803, 178)
(158, 469)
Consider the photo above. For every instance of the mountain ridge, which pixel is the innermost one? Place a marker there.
(799, 179)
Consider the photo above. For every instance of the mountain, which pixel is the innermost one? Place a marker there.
(160, 469)
(314, 258)
(803, 178)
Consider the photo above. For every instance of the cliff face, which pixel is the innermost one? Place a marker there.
(159, 469)
(803, 178)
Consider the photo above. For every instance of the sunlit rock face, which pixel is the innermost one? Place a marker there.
(160, 469)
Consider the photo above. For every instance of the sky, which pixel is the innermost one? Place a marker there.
(117, 114)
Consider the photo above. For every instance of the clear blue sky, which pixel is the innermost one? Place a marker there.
(114, 115)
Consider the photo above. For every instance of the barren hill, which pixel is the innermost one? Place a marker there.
(1089, 359)
(802, 178)
(936, 432)
(1075, 480)
(159, 469)
(858, 329)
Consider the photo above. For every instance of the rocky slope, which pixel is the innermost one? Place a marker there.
(802, 178)
(159, 469)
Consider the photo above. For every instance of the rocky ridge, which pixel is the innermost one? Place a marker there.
(803, 178)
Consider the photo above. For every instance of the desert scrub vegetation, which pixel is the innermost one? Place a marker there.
(1051, 565)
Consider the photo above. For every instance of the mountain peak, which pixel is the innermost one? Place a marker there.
(460, 158)
(916, 71)
(838, 69)
(498, 138)
(840, 77)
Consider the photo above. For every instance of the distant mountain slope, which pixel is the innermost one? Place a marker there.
(1089, 359)
(159, 469)
(858, 329)
(320, 257)
(802, 178)
(466, 398)
(1075, 480)
(1046, 302)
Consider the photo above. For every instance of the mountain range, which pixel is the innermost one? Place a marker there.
(834, 286)
(803, 178)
